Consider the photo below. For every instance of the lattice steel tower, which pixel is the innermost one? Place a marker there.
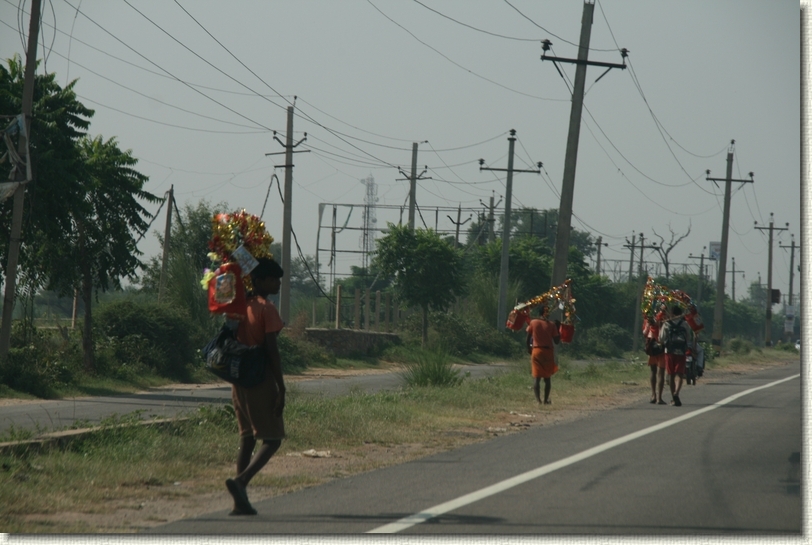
(370, 221)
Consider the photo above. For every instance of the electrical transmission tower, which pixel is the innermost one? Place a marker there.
(369, 220)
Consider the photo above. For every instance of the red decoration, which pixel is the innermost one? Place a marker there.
(227, 291)
(517, 319)
(694, 320)
(566, 331)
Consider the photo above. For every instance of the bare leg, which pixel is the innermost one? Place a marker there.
(247, 445)
(548, 383)
(660, 383)
(537, 388)
(653, 380)
(265, 452)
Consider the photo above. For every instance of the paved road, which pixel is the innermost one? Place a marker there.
(727, 463)
(160, 402)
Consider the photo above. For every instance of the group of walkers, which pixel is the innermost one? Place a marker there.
(672, 350)
(671, 346)
(259, 409)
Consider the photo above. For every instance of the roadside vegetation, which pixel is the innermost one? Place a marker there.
(125, 466)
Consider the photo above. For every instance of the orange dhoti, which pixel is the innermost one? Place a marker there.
(543, 362)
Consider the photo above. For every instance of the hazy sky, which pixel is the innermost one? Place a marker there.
(373, 76)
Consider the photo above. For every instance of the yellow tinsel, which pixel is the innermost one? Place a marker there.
(228, 232)
(557, 297)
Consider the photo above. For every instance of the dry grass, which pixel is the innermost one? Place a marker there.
(130, 478)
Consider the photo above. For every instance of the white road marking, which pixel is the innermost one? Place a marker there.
(507, 484)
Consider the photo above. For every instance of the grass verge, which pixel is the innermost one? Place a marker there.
(124, 478)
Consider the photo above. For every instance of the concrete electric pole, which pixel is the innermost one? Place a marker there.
(791, 278)
(562, 238)
(721, 275)
(598, 244)
(284, 291)
(170, 196)
(413, 178)
(769, 314)
(501, 310)
(701, 272)
(22, 175)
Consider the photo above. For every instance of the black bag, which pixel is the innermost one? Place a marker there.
(235, 362)
(676, 341)
(652, 347)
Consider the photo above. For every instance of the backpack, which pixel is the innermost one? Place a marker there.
(676, 341)
(233, 361)
(652, 347)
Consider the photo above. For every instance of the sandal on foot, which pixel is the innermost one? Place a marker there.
(677, 402)
(653, 400)
(241, 504)
(661, 402)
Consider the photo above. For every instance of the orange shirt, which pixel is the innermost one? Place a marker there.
(544, 332)
(261, 318)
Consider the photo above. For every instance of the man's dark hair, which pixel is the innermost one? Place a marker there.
(676, 310)
(267, 267)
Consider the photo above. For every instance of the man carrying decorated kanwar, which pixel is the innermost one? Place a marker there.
(259, 409)
(676, 336)
(542, 334)
(656, 360)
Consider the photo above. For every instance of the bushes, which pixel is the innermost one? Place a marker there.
(463, 335)
(298, 354)
(738, 345)
(147, 335)
(432, 368)
(604, 341)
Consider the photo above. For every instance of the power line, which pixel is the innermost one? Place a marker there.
(475, 28)
(163, 69)
(456, 63)
(550, 33)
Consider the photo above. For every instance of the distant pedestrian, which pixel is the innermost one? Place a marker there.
(676, 337)
(542, 335)
(656, 360)
(259, 409)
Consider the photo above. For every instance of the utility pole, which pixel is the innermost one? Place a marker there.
(501, 310)
(457, 224)
(599, 244)
(631, 257)
(170, 195)
(562, 238)
(491, 207)
(769, 314)
(22, 177)
(788, 334)
(284, 291)
(721, 274)
(733, 272)
(640, 287)
(701, 272)
(413, 178)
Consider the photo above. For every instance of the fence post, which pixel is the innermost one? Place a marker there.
(357, 311)
(314, 313)
(366, 310)
(338, 306)
(378, 310)
(386, 309)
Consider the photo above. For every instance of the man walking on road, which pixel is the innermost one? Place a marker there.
(676, 336)
(259, 409)
(542, 334)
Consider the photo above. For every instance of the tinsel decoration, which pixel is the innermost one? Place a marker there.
(658, 300)
(558, 297)
(228, 232)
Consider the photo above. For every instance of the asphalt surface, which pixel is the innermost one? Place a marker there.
(718, 465)
(165, 403)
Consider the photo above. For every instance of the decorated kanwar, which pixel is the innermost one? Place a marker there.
(543, 334)
(671, 322)
(245, 352)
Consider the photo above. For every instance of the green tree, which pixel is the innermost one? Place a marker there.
(428, 272)
(101, 248)
(58, 122)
